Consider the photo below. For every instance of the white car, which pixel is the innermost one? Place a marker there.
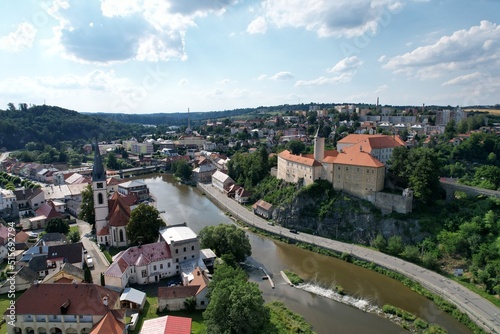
(90, 261)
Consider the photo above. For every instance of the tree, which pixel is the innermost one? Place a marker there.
(87, 275)
(296, 146)
(87, 212)
(144, 225)
(226, 239)
(395, 245)
(181, 169)
(57, 225)
(74, 236)
(236, 305)
(112, 162)
(380, 243)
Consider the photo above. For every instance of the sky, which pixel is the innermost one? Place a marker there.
(152, 56)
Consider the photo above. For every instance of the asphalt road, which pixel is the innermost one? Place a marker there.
(483, 312)
(100, 262)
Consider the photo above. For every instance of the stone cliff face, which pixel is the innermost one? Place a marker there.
(342, 217)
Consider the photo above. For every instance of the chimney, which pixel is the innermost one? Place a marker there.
(105, 300)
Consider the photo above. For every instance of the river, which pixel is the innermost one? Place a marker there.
(182, 203)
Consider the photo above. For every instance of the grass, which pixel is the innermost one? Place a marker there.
(151, 307)
(4, 303)
(293, 277)
(73, 228)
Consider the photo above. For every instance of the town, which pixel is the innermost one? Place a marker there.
(349, 147)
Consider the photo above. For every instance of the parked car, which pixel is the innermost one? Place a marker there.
(90, 261)
(293, 231)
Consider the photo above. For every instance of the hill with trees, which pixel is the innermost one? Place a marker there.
(51, 125)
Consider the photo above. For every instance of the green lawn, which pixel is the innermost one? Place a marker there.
(150, 312)
(4, 303)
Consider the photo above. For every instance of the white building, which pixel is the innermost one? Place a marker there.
(141, 265)
(221, 180)
(182, 241)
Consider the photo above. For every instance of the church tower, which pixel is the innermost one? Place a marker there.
(99, 189)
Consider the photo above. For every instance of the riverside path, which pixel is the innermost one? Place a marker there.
(480, 310)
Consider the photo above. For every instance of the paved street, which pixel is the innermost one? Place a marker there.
(478, 308)
(100, 261)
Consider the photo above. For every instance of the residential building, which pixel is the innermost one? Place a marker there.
(67, 308)
(28, 200)
(138, 188)
(195, 285)
(263, 209)
(182, 242)
(68, 273)
(25, 278)
(220, 180)
(204, 172)
(8, 204)
(141, 265)
(44, 214)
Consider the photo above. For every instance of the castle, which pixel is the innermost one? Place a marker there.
(357, 167)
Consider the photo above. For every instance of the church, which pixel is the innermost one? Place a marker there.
(111, 214)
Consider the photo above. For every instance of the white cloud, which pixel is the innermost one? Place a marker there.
(183, 82)
(332, 18)
(282, 76)
(257, 26)
(261, 77)
(463, 79)
(322, 81)
(151, 30)
(463, 50)
(346, 65)
(20, 39)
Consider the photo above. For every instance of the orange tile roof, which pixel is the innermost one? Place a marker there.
(370, 142)
(108, 325)
(200, 280)
(353, 156)
(178, 325)
(303, 160)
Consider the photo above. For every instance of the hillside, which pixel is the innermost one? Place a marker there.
(52, 125)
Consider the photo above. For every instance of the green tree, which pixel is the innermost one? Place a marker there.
(296, 146)
(379, 242)
(57, 225)
(395, 245)
(74, 236)
(112, 162)
(87, 212)
(182, 169)
(226, 239)
(144, 225)
(236, 305)
(87, 275)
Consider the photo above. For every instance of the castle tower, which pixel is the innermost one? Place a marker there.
(99, 189)
(319, 147)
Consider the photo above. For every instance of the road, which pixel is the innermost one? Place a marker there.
(483, 312)
(100, 262)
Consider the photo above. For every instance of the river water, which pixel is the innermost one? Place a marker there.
(182, 203)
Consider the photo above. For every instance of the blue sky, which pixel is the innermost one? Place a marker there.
(170, 55)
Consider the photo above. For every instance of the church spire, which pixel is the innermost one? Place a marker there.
(98, 173)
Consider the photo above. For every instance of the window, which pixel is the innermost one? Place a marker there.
(161, 265)
(121, 235)
(100, 198)
(192, 247)
(176, 251)
(100, 185)
(143, 273)
(177, 261)
(168, 265)
(154, 267)
(184, 249)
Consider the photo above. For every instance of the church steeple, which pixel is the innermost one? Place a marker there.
(319, 146)
(98, 173)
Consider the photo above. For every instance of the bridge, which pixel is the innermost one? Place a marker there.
(451, 187)
(138, 171)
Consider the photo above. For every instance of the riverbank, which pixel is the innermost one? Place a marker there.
(481, 311)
